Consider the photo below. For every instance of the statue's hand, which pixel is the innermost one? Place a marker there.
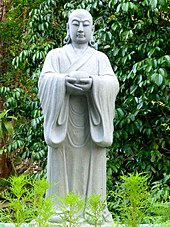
(71, 87)
(85, 84)
(78, 83)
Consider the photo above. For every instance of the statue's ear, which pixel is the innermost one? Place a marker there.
(67, 39)
(93, 28)
(67, 27)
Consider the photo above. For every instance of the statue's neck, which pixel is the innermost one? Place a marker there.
(79, 48)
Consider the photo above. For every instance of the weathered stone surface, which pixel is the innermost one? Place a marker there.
(77, 90)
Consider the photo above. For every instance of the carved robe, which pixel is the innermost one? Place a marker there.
(77, 128)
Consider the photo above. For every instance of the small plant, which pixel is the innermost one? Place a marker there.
(72, 209)
(26, 201)
(18, 198)
(4, 216)
(162, 211)
(161, 196)
(133, 200)
(42, 206)
(95, 209)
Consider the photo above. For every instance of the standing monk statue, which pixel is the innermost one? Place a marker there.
(77, 90)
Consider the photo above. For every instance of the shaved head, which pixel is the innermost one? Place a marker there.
(80, 28)
(78, 12)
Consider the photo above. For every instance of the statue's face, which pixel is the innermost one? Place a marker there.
(80, 27)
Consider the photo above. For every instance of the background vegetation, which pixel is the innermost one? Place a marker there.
(136, 37)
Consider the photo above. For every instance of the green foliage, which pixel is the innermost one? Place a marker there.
(138, 48)
(75, 210)
(135, 201)
(11, 34)
(132, 198)
(44, 25)
(161, 195)
(71, 207)
(27, 140)
(26, 201)
(162, 210)
(6, 129)
(41, 27)
(17, 203)
(95, 208)
(42, 207)
(161, 189)
(18, 93)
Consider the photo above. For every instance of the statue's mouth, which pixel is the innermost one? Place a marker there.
(80, 35)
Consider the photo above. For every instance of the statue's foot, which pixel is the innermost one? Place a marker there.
(59, 218)
(55, 219)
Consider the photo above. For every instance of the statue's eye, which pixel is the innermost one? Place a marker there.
(86, 23)
(75, 23)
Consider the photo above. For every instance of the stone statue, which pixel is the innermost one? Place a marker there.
(77, 90)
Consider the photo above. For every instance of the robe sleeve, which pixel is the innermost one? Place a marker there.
(104, 91)
(53, 100)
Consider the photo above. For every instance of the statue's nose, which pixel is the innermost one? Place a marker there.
(80, 28)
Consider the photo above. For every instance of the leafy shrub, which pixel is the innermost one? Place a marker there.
(27, 141)
(96, 207)
(71, 207)
(132, 200)
(26, 201)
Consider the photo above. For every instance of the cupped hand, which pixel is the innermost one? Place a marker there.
(85, 84)
(71, 86)
(78, 83)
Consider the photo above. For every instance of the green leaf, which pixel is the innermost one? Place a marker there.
(125, 6)
(155, 64)
(118, 8)
(151, 52)
(163, 3)
(133, 6)
(134, 68)
(167, 59)
(149, 68)
(2, 115)
(120, 112)
(163, 72)
(133, 89)
(12, 117)
(157, 78)
(153, 4)
(9, 127)
(139, 106)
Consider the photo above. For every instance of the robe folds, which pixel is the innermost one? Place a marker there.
(77, 128)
